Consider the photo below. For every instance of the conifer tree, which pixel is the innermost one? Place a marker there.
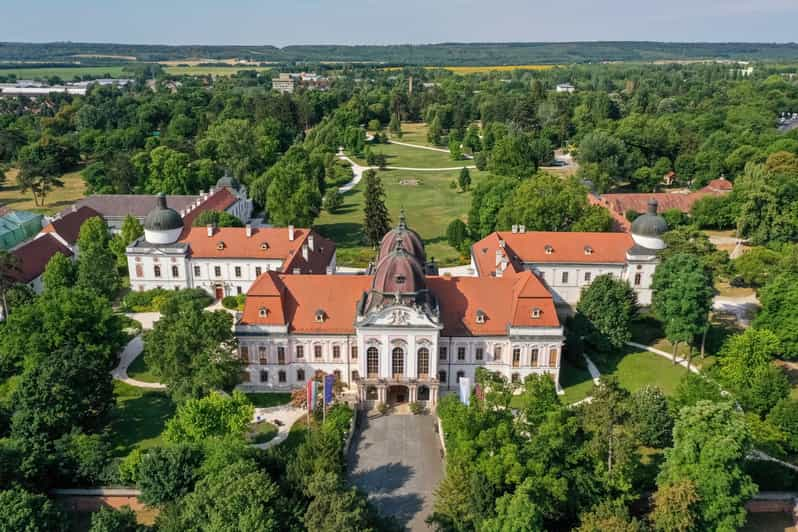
(376, 221)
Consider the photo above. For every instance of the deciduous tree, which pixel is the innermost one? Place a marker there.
(609, 305)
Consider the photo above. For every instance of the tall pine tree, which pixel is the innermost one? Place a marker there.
(376, 221)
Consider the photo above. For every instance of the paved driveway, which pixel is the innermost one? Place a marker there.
(396, 459)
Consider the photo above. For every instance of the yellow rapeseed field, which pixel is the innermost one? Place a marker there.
(481, 69)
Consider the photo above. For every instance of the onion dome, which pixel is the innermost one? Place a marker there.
(162, 224)
(648, 228)
(228, 181)
(410, 241)
(399, 279)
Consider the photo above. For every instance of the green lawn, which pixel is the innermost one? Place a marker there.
(66, 73)
(262, 432)
(430, 205)
(414, 133)
(139, 418)
(140, 371)
(576, 383)
(635, 369)
(59, 198)
(405, 156)
(268, 399)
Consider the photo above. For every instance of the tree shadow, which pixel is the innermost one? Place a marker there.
(345, 234)
(383, 479)
(403, 508)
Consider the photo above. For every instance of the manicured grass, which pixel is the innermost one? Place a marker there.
(262, 432)
(636, 369)
(268, 399)
(139, 418)
(56, 201)
(576, 383)
(409, 157)
(430, 205)
(414, 133)
(66, 73)
(140, 371)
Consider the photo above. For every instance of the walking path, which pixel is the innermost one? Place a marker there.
(129, 354)
(743, 308)
(287, 415)
(681, 361)
(421, 147)
(357, 173)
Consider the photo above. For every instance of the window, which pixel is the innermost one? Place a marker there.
(264, 376)
(516, 377)
(337, 374)
(300, 375)
(175, 271)
(238, 271)
(280, 354)
(497, 352)
(442, 353)
(535, 313)
(238, 290)
(258, 271)
(534, 359)
(217, 271)
(281, 376)
(398, 362)
(156, 271)
(423, 363)
(220, 246)
(480, 317)
(638, 278)
(564, 277)
(442, 376)
(263, 312)
(588, 275)
(354, 352)
(244, 354)
(139, 271)
(588, 250)
(516, 357)
(196, 271)
(263, 356)
(317, 352)
(553, 358)
(355, 376)
(300, 351)
(423, 393)
(549, 250)
(460, 375)
(372, 363)
(479, 354)
(336, 351)
(461, 353)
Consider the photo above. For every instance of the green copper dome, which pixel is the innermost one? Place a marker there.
(228, 181)
(650, 224)
(162, 218)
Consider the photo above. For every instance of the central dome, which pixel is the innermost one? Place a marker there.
(162, 224)
(410, 241)
(648, 228)
(398, 280)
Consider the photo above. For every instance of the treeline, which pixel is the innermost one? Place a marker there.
(425, 54)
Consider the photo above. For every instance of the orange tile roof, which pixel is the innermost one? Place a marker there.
(270, 243)
(220, 200)
(720, 185)
(638, 202)
(294, 299)
(606, 248)
(68, 225)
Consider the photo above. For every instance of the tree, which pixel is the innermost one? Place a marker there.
(675, 507)
(472, 140)
(9, 269)
(395, 126)
(456, 233)
(487, 199)
(216, 219)
(465, 179)
(609, 305)
(434, 131)
(651, 417)
(744, 355)
(778, 298)
(167, 473)
(112, 520)
(41, 165)
(682, 298)
(455, 149)
(216, 415)
(166, 170)
(376, 221)
(28, 512)
(757, 266)
(60, 272)
(609, 515)
(193, 351)
(710, 444)
(293, 196)
(96, 262)
(333, 507)
(518, 155)
(784, 415)
(130, 231)
(333, 201)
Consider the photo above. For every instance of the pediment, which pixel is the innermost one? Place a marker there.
(399, 316)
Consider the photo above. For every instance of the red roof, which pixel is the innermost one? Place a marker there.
(720, 186)
(293, 300)
(68, 225)
(35, 255)
(265, 243)
(220, 200)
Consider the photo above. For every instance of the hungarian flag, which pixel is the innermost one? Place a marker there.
(311, 389)
(329, 381)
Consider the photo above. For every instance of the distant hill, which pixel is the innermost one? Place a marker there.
(427, 54)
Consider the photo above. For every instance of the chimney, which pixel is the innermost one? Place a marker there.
(74, 208)
(305, 251)
(498, 256)
(311, 241)
(515, 228)
(210, 229)
(291, 233)
(501, 244)
(522, 229)
(248, 230)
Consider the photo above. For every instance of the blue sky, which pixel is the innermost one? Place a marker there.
(395, 21)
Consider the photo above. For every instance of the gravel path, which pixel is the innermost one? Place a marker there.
(287, 415)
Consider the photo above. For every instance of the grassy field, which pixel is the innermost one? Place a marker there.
(576, 383)
(59, 198)
(266, 400)
(197, 70)
(139, 418)
(636, 369)
(481, 69)
(139, 370)
(414, 133)
(397, 155)
(430, 204)
(262, 432)
(65, 73)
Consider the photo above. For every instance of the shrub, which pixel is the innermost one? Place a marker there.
(333, 200)
(382, 408)
(230, 302)
(155, 299)
(456, 233)
(416, 408)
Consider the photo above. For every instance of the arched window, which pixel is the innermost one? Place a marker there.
(442, 376)
(423, 363)
(372, 363)
(423, 393)
(398, 362)
(460, 375)
(371, 393)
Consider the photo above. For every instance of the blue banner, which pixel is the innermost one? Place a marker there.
(329, 381)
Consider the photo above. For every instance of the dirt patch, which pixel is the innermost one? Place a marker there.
(410, 182)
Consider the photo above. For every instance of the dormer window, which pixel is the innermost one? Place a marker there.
(320, 315)
(400, 279)
(480, 316)
(263, 312)
(588, 250)
(535, 313)
(549, 250)
(264, 246)
(220, 246)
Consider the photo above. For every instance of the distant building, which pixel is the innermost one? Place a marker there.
(33, 258)
(565, 87)
(65, 227)
(79, 88)
(18, 226)
(288, 82)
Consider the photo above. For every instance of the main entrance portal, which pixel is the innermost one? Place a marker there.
(398, 395)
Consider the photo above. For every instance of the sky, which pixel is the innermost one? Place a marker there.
(280, 23)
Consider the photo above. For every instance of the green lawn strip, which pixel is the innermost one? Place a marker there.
(66, 73)
(269, 399)
(636, 369)
(576, 383)
(139, 418)
(140, 371)
(262, 432)
(407, 156)
(430, 205)
(413, 133)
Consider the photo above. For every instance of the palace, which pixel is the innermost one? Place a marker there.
(398, 334)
